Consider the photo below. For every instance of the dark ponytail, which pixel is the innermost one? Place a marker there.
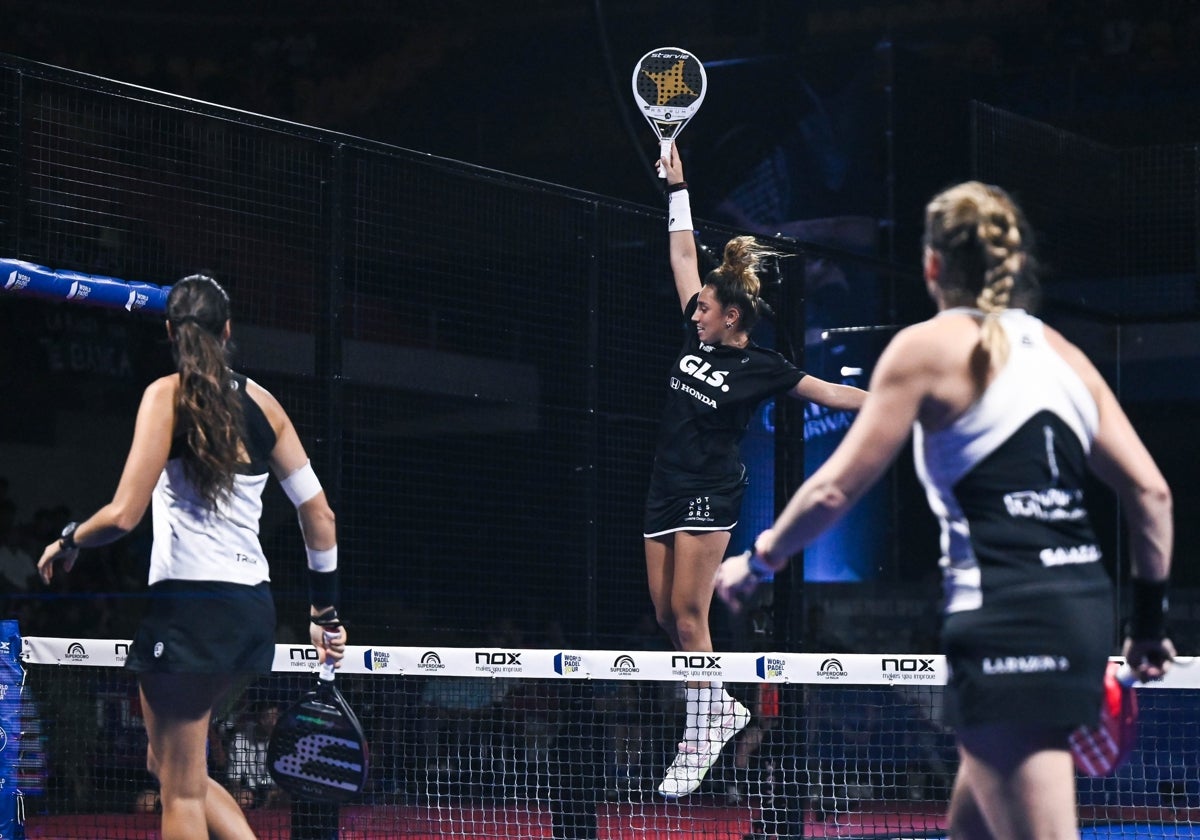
(208, 410)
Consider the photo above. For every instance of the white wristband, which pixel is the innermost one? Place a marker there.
(322, 560)
(301, 485)
(679, 211)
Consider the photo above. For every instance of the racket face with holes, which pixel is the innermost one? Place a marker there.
(1100, 750)
(318, 750)
(668, 86)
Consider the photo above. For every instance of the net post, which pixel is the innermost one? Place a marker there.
(786, 818)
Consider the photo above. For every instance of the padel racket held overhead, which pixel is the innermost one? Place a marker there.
(318, 750)
(668, 86)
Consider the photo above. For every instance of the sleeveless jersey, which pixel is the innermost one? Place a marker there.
(1006, 479)
(713, 392)
(194, 542)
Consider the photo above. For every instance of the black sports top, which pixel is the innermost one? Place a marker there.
(713, 392)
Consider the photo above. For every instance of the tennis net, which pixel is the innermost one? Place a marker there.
(544, 743)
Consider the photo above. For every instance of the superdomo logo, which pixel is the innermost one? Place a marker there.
(831, 669)
(76, 652)
(430, 661)
(624, 664)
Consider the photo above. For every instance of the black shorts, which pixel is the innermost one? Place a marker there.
(205, 627)
(1038, 659)
(666, 514)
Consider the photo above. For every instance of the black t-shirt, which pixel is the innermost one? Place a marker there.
(713, 392)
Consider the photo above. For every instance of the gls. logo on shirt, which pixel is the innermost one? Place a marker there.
(702, 370)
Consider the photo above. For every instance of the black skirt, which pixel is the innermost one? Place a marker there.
(1037, 658)
(205, 627)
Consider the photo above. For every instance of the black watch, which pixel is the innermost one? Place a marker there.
(67, 537)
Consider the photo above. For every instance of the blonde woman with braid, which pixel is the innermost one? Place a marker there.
(718, 380)
(204, 442)
(1007, 418)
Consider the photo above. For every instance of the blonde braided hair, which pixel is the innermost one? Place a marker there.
(977, 230)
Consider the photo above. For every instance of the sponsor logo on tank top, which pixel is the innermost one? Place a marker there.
(1030, 664)
(677, 385)
(1053, 505)
(1070, 555)
(697, 368)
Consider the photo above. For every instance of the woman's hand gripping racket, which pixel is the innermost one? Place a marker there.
(1099, 750)
(668, 86)
(318, 750)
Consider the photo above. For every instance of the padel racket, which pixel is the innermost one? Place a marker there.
(318, 750)
(668, 86)
(1099, 750)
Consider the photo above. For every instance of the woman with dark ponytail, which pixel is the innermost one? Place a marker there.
(204, 442)
(718, 380)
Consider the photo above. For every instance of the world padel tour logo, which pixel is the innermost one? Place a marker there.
(831, 669)
(430, 661)
(16, 281)
(376, 660)
(769, 667)
(567, 663)
(624, 664)
(76, 653)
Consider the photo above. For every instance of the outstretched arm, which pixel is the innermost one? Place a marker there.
(829, 394)
(684, 263)
(898, 389)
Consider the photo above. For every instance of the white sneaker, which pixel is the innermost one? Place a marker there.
(694, 759)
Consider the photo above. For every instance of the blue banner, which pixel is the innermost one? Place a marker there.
(93, 289)
(11, 679)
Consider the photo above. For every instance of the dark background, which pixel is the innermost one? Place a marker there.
(541, 88)
(832, 122)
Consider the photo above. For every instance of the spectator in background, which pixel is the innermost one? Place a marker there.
(17, 566)
(249, 779)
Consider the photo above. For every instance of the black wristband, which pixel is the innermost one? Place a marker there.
(1149, 618)
(327, 618)
(682, 185)
(323, 588)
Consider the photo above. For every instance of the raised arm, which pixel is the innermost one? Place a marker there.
(684, 263)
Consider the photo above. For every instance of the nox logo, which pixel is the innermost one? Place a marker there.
(501, 657)
(910, 664)
(302, 653)
(696, 661)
